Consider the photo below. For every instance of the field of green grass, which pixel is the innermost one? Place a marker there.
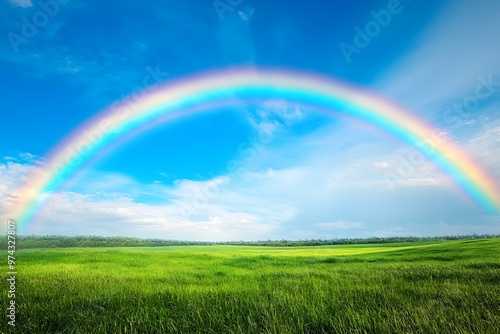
(437, 287)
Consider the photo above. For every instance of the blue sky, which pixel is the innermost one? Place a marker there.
(299, 174)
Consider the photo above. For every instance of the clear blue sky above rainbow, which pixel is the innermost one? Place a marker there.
(301, 174)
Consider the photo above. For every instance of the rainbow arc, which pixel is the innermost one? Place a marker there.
(174, 100)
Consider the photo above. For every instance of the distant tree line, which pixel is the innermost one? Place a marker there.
(57, 241)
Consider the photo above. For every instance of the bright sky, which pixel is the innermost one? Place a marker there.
(300, 174)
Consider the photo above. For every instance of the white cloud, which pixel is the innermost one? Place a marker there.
(381, 164)
(114, 214)
(107, 206)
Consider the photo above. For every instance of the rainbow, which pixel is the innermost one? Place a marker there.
(206, 92)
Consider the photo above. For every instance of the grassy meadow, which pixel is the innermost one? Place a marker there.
(426, 287)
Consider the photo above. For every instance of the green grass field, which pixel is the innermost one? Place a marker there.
(439, 287)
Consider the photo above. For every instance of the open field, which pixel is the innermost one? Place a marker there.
(438, 287)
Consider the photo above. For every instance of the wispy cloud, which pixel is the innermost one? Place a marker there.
(247, 13)
(381, 164)
(448, 57)
(485, 146)
(341, 224)
(21, 3)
